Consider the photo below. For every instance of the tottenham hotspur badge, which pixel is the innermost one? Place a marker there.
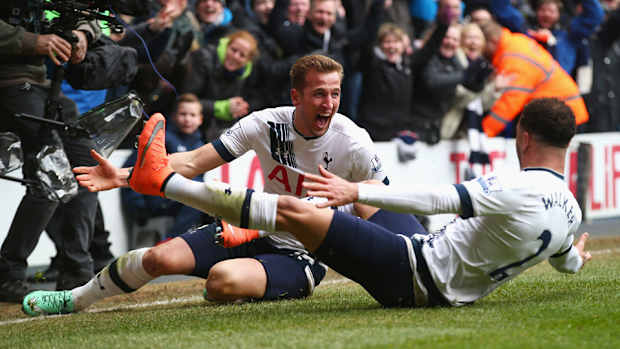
(327, 160)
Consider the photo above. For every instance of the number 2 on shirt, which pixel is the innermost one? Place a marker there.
(502, 273)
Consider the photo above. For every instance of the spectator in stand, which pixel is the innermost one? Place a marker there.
(216, 21)
(436, 87)
(534, 73)
(298, 11)
(480, 14)
(603, 98)
(456, 6)
(385, 107)
(182, 135)
(271, 68)
(387, 86)
(291, 13)
(569, 46)
(218, 76)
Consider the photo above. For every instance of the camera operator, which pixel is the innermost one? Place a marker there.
(25, 89)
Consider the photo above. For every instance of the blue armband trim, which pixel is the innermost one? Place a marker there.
(467, 208)
(222, 151)
(245, 209)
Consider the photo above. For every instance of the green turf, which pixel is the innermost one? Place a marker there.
(540, 309)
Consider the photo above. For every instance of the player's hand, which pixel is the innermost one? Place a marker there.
(336, 190)
(104, 176)
(78, 52)
(53, 46)
(580, 245)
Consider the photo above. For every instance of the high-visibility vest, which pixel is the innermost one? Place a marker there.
(535, 74)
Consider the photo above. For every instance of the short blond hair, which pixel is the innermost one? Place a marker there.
(472, 27)
(390, 29)
(318, 63)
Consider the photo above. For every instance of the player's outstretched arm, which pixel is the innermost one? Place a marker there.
(336, 190)
(580, 245)
(104, 176)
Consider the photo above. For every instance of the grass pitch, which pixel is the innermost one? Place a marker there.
(540, 309)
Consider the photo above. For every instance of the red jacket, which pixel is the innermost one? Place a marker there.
(536, 74)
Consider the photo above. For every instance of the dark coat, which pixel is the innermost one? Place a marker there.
(603, 101)
(106, 65)
(386, 103)
(210, 81)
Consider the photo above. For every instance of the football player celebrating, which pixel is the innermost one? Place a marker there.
(289, 141)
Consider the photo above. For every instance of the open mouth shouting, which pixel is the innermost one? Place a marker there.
(321, 122)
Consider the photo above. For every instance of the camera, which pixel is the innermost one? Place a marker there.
(70, 12)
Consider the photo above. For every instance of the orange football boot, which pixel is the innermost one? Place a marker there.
(231, 236)
(151, 170)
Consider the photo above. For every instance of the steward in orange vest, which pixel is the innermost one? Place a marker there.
(535, 74)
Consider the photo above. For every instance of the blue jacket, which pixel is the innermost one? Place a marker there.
(571, 48)
(178, 142)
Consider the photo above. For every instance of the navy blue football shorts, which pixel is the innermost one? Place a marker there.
(290, 273)
(373, 255)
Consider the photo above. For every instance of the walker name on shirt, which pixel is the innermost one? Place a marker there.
(558, 199)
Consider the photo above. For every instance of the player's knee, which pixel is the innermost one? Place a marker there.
(155, 262)
(222, 283)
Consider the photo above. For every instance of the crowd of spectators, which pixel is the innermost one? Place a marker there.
(404, 68)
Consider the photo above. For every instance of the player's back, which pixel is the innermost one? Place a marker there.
(518, 221)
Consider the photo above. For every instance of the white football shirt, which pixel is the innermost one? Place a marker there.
(345, 150)
(508, 223)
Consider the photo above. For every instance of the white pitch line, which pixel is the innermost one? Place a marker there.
(197, 298)
(605, 251)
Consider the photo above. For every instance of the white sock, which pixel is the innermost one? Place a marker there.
(126, 274)
(225, 201)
